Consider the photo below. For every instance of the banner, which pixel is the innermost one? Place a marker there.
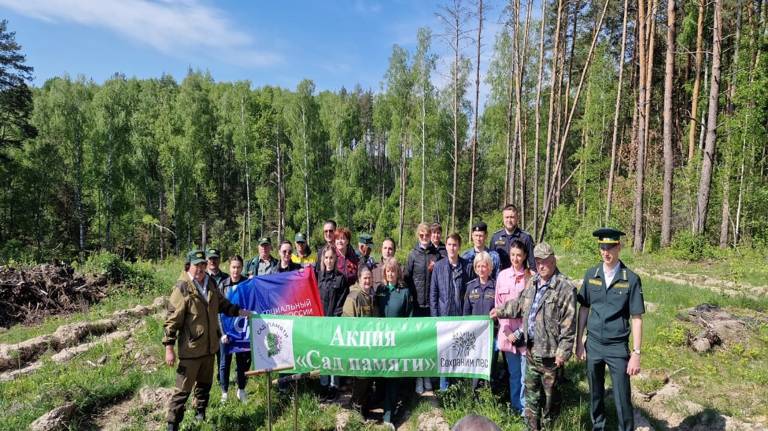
(288, 293)
(374, 347)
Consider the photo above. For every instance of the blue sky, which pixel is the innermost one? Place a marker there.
(333, 42)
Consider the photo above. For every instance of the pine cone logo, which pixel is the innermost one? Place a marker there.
(463, 343)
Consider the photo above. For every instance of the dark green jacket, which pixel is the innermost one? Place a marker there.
(611, 306)
(397, 302)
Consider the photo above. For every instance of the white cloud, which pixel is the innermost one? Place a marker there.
(170, 26)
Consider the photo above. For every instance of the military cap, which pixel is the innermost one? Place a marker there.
(607, 237)
(480, 227)
(196, 256)
(213, 252)
(299, 238)
(543, 250)
(265, 240)
(365, 238)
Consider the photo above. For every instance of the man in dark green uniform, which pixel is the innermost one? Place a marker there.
(611, 297)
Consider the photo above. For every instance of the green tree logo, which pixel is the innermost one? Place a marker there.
(273, 344)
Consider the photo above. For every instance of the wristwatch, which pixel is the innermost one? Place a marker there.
(636, 351)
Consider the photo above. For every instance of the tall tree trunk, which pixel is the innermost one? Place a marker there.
(640, 157)
(305, 168)
(669, 157)
(726, 207)
(696, 81)
(616, 111)
(477, 110)
(521, 59)
(280, 189)
(551, 192)
(423, 147)
(247, 229)
(456, 58)
(401, 219)
(79, 196)
(567, 98)
(708, 159)
(537, 114)
(551, 117)
(509, 176)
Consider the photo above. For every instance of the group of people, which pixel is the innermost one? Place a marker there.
(515, 282)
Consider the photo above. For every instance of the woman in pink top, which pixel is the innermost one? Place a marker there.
(510, 285)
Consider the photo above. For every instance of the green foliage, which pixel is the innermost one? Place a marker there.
(138, 275)
(690, 247)
(675, 335)
(460, 400)
(566, 231)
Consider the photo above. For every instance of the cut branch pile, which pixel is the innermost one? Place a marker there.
(27, 295)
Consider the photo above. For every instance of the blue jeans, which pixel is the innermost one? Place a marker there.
(516, 367)
(243, 364)
(444, 383)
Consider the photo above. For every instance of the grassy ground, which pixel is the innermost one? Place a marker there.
(727, 381)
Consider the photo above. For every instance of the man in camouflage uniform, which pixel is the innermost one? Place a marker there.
(193, 311)
(548, 309)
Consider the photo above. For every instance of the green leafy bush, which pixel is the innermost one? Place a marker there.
(693, 248)
(117, 271)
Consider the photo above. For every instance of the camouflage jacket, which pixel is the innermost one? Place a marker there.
(555, 321)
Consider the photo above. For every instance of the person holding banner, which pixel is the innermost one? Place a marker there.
(393, 299)
(359, 303)
(509, 286)
(448, 285)
(548, 309)
(480, 297)
(242, 358)
(192, 321)
(286, 264)
(333, 290)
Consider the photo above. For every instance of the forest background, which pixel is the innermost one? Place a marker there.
(648, 116)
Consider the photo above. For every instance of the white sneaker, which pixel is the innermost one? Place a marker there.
(427, 384)
(419, 385)
(241, 395)
(224, 397)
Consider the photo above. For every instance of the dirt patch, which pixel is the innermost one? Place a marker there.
(433, 420)
(27, 295)
(669, 408)
(718, 326)
(149, 401)
(724, 287)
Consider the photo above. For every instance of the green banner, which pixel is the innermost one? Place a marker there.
(374, 347)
